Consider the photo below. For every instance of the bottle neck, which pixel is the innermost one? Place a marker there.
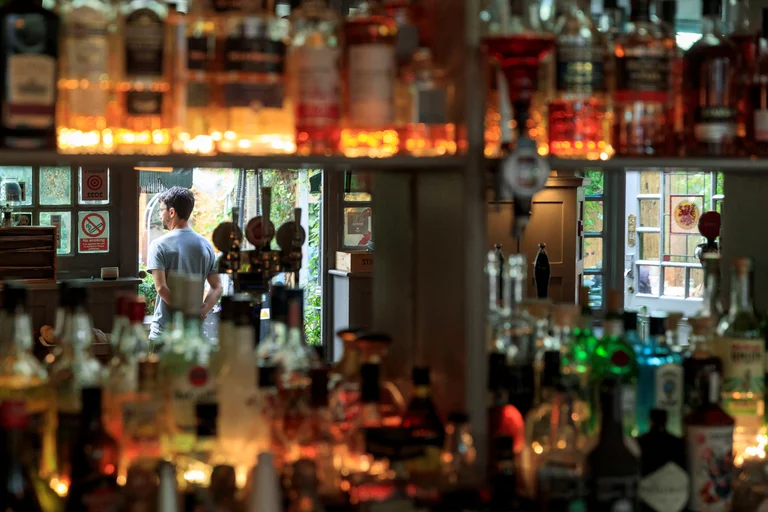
(741, 295)
(513, 292)
(641, 11)
(610, 421)
(710, 301)
(710, 24)
(16, 335)
(613, 326)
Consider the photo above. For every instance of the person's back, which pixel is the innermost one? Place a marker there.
(181, 250)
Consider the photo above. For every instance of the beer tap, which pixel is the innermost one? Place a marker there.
(291, 237)
(227, 238)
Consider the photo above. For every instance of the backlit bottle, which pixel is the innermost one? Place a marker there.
(702, 360)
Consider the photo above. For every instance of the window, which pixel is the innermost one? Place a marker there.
(593, 237)
(669, 204)
(46, 196)
(357, 211)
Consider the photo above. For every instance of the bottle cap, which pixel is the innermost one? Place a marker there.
(369, 385)
(319, 387)
(658, 418)
(458, 418)
(267, 377)
(420, 376)
(14, 296)
(630, 321)
(136, 311)
(13, 415)
(700, 325)
(92, 399)
(657, 325)
(207, 416)
(672, 321)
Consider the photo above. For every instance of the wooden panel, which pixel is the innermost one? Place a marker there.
(28, 253)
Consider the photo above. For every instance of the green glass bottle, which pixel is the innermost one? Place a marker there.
(614, 358)
(584, 339)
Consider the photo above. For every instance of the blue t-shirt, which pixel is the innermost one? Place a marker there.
(181, 250)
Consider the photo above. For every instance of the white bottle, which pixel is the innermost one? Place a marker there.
(167, 496)
(265, 494)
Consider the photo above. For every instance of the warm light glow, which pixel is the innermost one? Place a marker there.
(537, 448)
(755, 451)
(375, 144)
(60, 487)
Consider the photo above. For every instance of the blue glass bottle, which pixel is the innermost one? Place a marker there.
(660, 381)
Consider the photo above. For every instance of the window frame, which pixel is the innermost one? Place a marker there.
(591, 235)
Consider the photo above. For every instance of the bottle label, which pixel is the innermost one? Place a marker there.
(710, 462)
(669, 388)
(31, 91)
(194, 387)
(666, 489)
(761, 125)
(643, 78)
(371, 83)
(714, 124)
(143, 103)
(743, 365)
(87, 57)
(144, 43)
(615, 493)
(244, 54)
(695, 370)
(580, 69)
(430, 106)
(318, 77)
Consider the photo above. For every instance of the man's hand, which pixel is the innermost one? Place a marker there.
(203, 314)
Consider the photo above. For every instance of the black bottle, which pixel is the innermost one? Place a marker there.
(18, 493)
(612, 468)
(503, 481)
(542, 272)
(94, 460)
(664, 482)
(29, 46)
(422, 416)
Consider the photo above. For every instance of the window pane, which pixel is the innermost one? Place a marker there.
(64, 221)
(696, 282)
(650, 182)
(719, 207)
(719, 185)
(595, 187)
(357, 227)
(55, 186)
(649, 246)
(649, 213)
(681, 248)
(595, 283)
(648, 279)
(357, 186)
(674, 282)
(16, 186)
(593, 253)
(93, 186)
(593, 217)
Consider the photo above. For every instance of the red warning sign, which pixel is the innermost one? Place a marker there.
(93, 232)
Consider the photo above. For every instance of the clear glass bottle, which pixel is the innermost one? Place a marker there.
(743, 35)
(86, 105)
(370, 71)
(580, 115)
(742, 349)
(316, 52)
(757, 121)
(709, 69)
(539, 311)
(74, 370)
(142, 417)
(252, 78)
(711, 301)
(424, 100)
(23, 378)
(144, 99)
(226, 332)
(429, 430)
(644, 58)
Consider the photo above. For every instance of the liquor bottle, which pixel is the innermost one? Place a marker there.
(611, 21)
(269, 348)
(458, 462)
(494, 321)
(304, 495)
(144, 91)
(345, 386)
(316, 51)
(580, 114)
(742, 35)
(757, 120)
(226, 333)
(237, 390)
(666, 12)
(223, 488)
(504, 419)
(17, 478)
(709, 71)
(564, 318)
(206, 450)
(424, 99)
(541, 272)
(74, 370)
(709, 444)
(369, 82)
(554, 439)
(186, 375)
(585, 340)
(660, 382)
(253, 80)
(521, 47)
(296, 358)
(86, 87)
(644, 59)
(614, 358)
(664, 482)
(167, 494)
(504, 481)
(702, 360)
(94, 460)
(711, 303)
(265, 495)
(268, 432)
(29, 42)
(141, 420)
(613, 465)
(358, 460)
(197, 110)
(630, 332)
(23, 378)
(121, 321)
(429, 430)
(741, 348)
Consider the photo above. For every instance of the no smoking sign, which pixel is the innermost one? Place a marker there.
(93, 232)
(94, 185)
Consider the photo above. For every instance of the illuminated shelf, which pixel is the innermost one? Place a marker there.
(332, 163)
(759, 165)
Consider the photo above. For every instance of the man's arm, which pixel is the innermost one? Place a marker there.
(158, 276)
(214, 292)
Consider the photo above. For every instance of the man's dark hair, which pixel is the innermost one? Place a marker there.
(180, 199)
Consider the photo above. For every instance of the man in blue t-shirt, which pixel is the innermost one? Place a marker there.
(181, 250)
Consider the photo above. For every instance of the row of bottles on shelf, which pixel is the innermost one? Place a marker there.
(583, 89)
(628, 421)
(153, 77)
